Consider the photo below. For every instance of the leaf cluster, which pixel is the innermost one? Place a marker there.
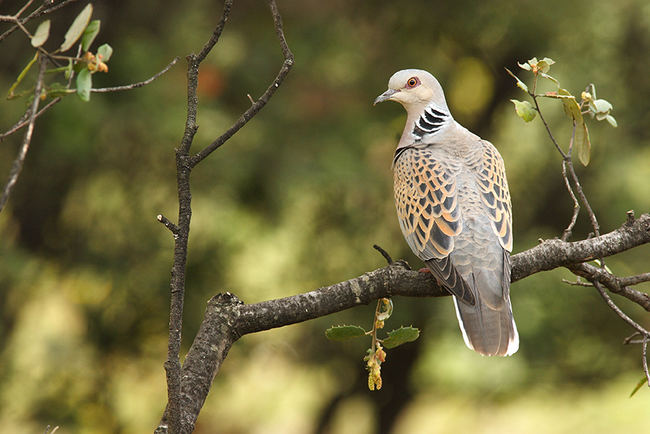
(375, 355)
(575, 109)
(82, 30)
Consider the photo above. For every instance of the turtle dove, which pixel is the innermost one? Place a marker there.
(454, 210)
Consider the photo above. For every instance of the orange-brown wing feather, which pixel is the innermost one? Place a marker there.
(429, 215)
(426, 202)
(492, 182)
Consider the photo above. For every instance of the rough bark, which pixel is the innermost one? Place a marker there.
(227, 318)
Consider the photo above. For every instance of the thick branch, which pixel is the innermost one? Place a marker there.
(556, 253)
(227, 318)
(179, 416)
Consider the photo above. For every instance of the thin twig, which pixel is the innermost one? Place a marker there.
(548, 129)
(583, 199)
(266, 96)
(618, 311)
(644, 358)
(634, 280)
(17, 165)
(384, 253)
(168, 224)
(577, 283)
(576, 205)
(20, 12)
(630, 339)
(138, 84)
(40, 11)
(612, 282)
(24, 120)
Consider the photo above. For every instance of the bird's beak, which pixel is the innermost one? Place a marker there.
(385, 96)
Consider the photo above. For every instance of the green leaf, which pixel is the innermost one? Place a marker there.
(77, 28)
(545, 64)
(84, 84)
(342, 333)
(571, 107)
(641, 382)
(524, 110)
(611, 121)
(401, 336)
(89, 34)
(520, 84)
(41, 34)
(106, 51)
(22, 74)
(583, 144)
(602, 106)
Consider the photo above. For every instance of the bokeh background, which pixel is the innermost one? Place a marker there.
(294, 202)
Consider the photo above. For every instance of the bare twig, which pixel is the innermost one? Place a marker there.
(583, 198)
(577, 283)
(644, 358)
(548, 129)
(612, 282)
(634, 280)
(266, 96)
(138, 84)
(576, 205)
(20, 12)
(17, 165)
(618, 310)
(24, 120)
(40, 11)
(168, 224)
(384, 253)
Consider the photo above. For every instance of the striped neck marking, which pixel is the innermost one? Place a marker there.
(429, 122)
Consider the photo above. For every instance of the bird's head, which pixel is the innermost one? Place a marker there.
(414, 89)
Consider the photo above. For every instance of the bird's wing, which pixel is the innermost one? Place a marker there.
(491, 175)
(429, 215)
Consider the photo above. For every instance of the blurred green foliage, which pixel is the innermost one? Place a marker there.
(295, 201)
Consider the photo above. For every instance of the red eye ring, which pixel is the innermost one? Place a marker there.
(412, 82)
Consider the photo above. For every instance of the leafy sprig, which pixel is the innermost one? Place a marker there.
(375, 355)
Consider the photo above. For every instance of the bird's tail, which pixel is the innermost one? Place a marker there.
(491, 332)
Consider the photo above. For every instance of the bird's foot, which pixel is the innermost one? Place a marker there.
(424, 270)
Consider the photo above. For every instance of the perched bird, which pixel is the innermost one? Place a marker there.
(454, 210)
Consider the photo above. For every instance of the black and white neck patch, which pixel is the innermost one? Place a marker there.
(430, 122)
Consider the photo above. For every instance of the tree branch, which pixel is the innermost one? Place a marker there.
(556, 253)
(138, 84)
(612, 282)
(178, 416)
(17, 165)
(227, 318)
(266, 96)
(41, 10)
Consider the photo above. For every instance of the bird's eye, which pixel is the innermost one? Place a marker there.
(412, 82)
